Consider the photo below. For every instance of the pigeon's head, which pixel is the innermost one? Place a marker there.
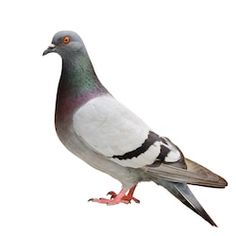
(66, 43)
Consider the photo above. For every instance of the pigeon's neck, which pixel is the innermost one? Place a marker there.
(78, 84)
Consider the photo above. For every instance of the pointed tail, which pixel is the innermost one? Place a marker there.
(184, 194)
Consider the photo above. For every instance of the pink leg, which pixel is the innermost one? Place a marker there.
(127, 197)
(130, 194)
(116, 200)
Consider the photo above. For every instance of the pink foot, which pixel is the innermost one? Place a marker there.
(113, 201)
(108, 201)
(127, 197)
(117, 198)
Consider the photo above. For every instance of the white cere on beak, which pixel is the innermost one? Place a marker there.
(52, 45)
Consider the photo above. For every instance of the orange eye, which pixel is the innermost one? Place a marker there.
(66, 39)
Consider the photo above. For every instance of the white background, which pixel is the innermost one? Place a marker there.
(171, 62)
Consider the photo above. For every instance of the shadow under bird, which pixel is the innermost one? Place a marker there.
(94, 126)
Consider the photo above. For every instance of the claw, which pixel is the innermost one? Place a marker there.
(135, 200)
(112, 194)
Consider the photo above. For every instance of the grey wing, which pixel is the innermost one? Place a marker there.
(112, 130)
(192, 174)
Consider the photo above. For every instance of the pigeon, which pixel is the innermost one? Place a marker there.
(105, 134)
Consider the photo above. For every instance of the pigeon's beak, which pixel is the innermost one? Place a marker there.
(51, 48)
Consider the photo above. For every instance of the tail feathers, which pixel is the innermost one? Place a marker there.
(184, 194)
(194, 174)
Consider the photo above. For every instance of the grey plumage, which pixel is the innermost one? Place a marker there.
(94, 126)
(194, 174)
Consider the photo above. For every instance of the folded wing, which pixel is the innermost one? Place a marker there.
(110, 129)
(193, 174)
